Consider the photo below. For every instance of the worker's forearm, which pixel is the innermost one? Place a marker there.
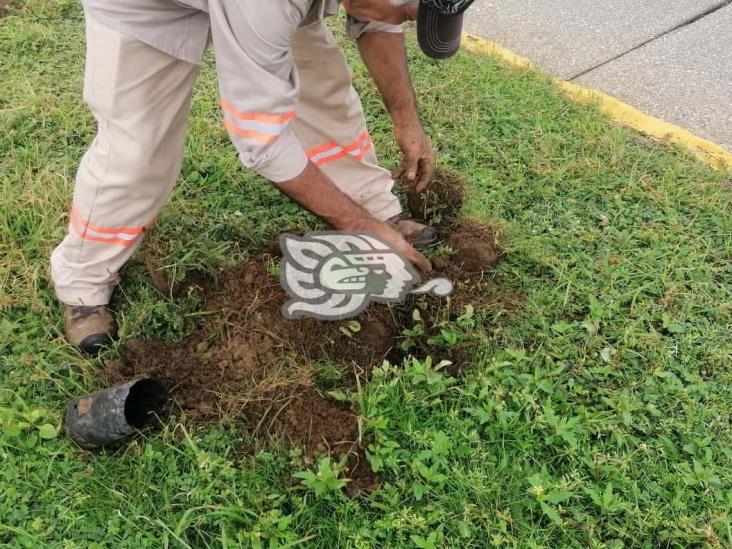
(315, 192)
(385, 56)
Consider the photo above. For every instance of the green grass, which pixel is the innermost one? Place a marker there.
(596, 415)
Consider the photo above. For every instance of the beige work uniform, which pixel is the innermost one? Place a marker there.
(286, 99)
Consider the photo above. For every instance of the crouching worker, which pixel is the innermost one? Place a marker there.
(287, 103)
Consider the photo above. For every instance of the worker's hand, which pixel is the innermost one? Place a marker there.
(395, 238)
(418, 163)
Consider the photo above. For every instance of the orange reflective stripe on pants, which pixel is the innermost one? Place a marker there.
(330, 151)
(264, 127)
(86, 230)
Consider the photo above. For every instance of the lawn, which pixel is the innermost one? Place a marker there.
(595, 412)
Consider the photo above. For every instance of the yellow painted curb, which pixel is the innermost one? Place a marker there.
(709, 152)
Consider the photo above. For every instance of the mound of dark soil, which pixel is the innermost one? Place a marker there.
(440, 204)
(475, 250)
(475, 246)
(247, 362)
(247, 348)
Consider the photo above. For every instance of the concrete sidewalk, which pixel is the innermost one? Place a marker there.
(670, 59)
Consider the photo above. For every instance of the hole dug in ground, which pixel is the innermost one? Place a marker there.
(248, 363)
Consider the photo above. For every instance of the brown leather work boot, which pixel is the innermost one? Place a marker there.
(417, 234)
(89, 328)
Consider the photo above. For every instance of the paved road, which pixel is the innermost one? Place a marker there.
(669, 58)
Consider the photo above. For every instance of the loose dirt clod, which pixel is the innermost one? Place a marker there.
(476, 248)
(247, 362)
(160, 279)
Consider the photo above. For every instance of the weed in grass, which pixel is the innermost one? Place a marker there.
(329, 375)
(325, 479)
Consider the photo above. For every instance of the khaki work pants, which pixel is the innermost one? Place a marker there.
(140, 98)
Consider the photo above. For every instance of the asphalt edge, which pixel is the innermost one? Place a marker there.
(708, 151)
